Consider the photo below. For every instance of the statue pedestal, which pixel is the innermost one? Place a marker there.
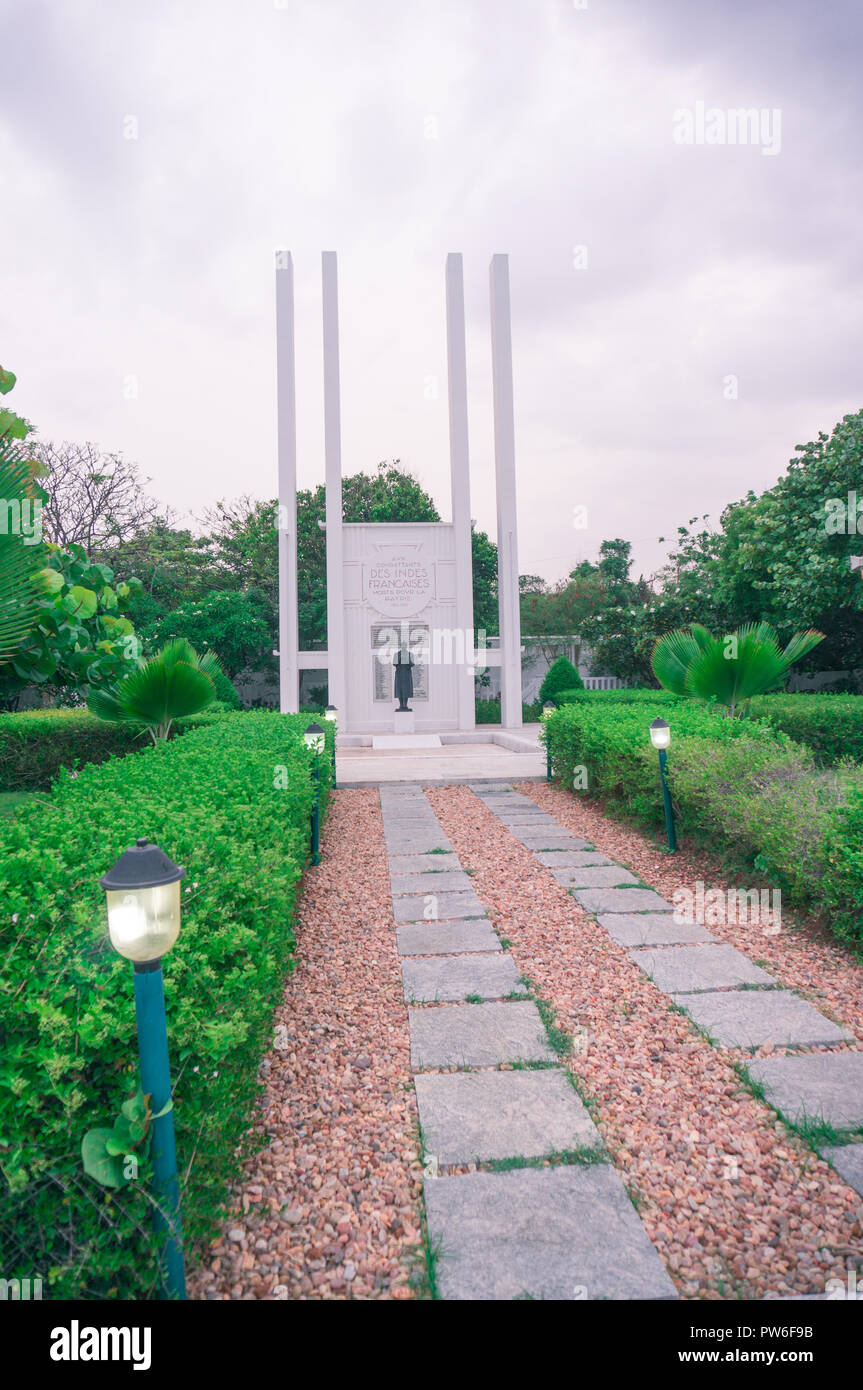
(403, 721)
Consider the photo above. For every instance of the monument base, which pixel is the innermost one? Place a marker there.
(403, 721)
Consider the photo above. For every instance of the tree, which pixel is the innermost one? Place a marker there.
(236, 625)
(22, 554)
(174, 683)
(618, 626)
(81, 639)
(95, 500)
(484, 564)
(728, 669)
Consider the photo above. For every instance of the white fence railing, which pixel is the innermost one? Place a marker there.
(602, 683)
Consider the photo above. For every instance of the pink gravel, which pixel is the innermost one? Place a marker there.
(736, 1204)
(330, 1206)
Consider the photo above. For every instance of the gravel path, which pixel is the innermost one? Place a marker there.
(329, 1208)
(736, 1205)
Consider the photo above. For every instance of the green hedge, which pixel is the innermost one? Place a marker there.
(67, 1019)
(622, 696)
(36, 745)
(488, 711)
(831, 725)
(742, 787)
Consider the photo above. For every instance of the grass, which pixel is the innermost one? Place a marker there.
(437, 851)
(10, 801)
(585, 1155)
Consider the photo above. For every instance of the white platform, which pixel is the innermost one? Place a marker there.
(406, 741)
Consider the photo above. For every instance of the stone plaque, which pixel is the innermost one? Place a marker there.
(398, 580)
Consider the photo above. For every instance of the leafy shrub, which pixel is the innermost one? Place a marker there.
(67, 1036)
(740, 786)
(831, 725)
(36, 744)
(561, 675)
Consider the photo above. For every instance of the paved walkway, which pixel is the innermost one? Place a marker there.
(562, 1232)
(490, 1088)
(491, 752)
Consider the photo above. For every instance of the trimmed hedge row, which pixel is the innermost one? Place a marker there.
(216, 802)
(743, 787)
(831, 725)
(622, 696)
(36, 745)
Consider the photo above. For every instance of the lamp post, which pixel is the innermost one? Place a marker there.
(315, 739)
(332, 714)
(548, 708)
(660, 737)
(143, 898)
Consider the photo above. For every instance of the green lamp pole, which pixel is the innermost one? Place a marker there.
(143, 897)
(548, 709)
(316, 740)
(660, 737)
(332, 714)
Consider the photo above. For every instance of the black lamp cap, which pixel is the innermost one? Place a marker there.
(659, 724)
(314, 729)
(144, 865)
(331, 706)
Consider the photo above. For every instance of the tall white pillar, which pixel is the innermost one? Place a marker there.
(333, 476)
(286, 405)
(460, 480)
(504, 463)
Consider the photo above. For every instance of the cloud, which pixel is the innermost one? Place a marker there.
(394, 134)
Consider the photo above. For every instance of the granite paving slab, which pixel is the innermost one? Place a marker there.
(477, 1035)
(575, 859)
(430, 882)
(470, 1117)
(651, 929)
(450, 979)
(594, 878)
(847, 1159)
(621, 900)
(561, 1233)
(446, 938)
(749, 1018)
(818, 1086)
(687, 969)
(433, 906)
(535, 840)
(568, 857)
(421, 863)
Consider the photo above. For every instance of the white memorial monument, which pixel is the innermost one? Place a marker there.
(400, 595)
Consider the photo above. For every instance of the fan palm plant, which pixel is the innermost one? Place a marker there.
(173, 683)
(21, 556)
(728, 669)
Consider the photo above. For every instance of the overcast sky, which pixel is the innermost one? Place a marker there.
(645, 273)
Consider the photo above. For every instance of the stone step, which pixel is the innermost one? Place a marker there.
(470, 1117)
(847, 1159)
(750, 1018)
(563, 1233)
(598, 900)
(434, 906)
(450, 979)
(421, 863)
(818, 1086)
(447, 938)
(689, 969)
(477, 1035)
(432, 881)
(651, 929)
(611, 877)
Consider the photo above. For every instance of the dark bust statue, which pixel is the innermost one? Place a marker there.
(404, 683)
